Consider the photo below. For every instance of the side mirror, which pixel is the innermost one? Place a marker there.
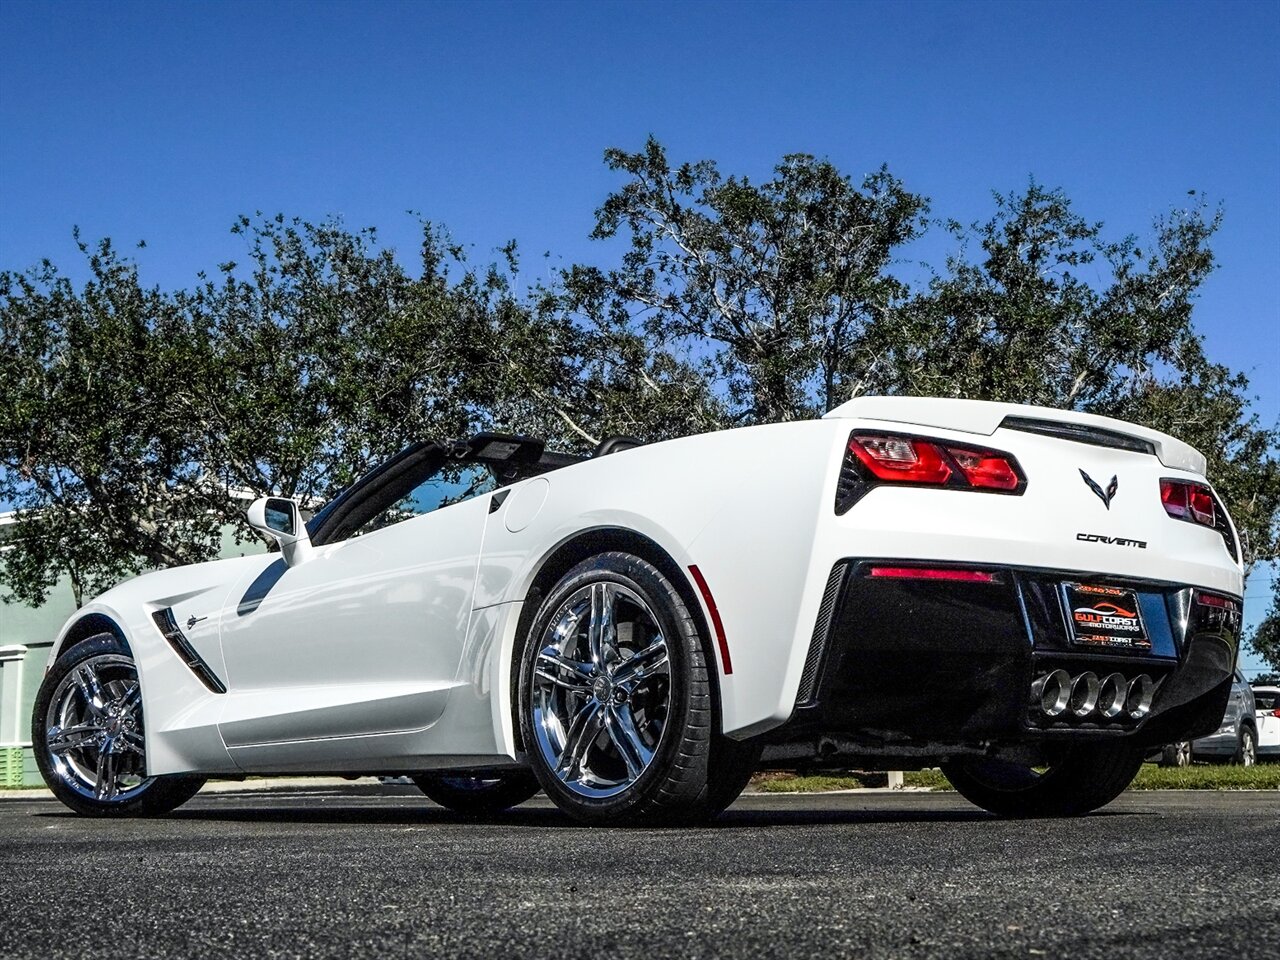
(281, 520)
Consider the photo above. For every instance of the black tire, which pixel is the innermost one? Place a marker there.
(672, 787)
(1084, 778)
(1176, 754)
(477, 796)
(732, 764)
(1247, 748)
(152, 795)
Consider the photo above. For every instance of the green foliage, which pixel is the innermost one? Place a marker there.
(1266, 639)
(1200, 776)
(1052, 313)
(135, 422)
(765, 289)
(106, 481)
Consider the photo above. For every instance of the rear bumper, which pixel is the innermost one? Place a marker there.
(927, 666)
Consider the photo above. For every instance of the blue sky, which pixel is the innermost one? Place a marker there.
(163, 121)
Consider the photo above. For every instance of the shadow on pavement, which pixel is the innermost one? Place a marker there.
(292, 812)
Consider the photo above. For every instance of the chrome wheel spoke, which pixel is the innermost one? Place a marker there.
(131, 700)
(650, 661)
(62, 739)
(562, 671)
(86, 681)
(621, 727)
(577, 741)
(106, 786)
(601, 636)
(132, 741)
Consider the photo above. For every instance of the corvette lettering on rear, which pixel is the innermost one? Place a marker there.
(1115, 541)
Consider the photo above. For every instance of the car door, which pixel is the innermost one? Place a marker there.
(360, 641)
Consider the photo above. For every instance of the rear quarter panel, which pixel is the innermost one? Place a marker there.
(742, 505)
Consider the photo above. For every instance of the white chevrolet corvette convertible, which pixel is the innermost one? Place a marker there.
(1026, 597)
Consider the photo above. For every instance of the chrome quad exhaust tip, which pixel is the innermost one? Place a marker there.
(1052, 692)
(1141, 691)
(1084, 694)
(1112, 696)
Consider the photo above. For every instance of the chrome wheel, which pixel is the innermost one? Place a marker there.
(600, 690)
(93, 730)
(1248, 749)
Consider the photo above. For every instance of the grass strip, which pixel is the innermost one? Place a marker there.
(1201, 776)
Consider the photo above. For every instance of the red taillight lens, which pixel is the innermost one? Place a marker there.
(898, 459)
(901, 459)
(990, 471)
(934, 573)
(1188, 501)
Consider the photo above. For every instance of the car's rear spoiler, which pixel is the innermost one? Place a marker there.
(984, 417)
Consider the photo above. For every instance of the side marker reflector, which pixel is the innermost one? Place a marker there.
(931, 573)
(716, 623)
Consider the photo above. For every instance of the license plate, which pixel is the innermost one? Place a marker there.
(1107, 617)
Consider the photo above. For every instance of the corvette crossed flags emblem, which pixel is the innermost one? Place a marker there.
(1104, 495)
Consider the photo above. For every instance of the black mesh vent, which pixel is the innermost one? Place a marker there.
(1080, 433)
(850, 487)
(818, 645)
(168, 627)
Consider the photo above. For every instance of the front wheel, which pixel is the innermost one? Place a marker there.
(478, 795)
(87, 733)
(1081, 779)
(614, 698)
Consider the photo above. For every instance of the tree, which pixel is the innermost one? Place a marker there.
(135, 422)
(1266, 638)
(1028, 323)
(764, 289)
(104, 476)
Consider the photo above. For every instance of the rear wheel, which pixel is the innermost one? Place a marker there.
(614, 698)
(90, 744)
(478, 795)
(1083, 778)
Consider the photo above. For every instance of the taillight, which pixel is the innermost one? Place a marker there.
(989, 471)
(1188, 501)
(1195, 503)
(901, 459)
(893, 458)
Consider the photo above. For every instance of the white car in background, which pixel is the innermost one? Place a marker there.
(1028, 597)
(1267, 705)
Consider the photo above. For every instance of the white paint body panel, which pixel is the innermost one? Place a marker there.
(394, 651)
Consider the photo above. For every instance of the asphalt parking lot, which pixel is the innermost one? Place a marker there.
(382, 872)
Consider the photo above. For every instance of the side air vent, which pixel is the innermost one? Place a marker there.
(182, 647)
(1080, 433)
(818, 645)
(850, 487)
